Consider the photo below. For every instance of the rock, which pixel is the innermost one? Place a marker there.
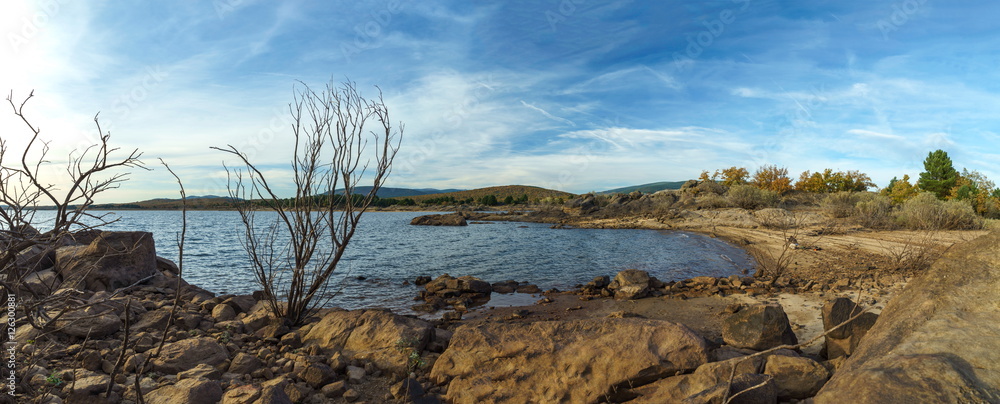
(335, 389)
(351, 395)
(936, 341)
(355, 374)
(92, 322)
(41, 283)
(244, 363)
(317, 375)
(246, 394)
(758, 327)
(796, 377)
(191, 391)
(407, 390)
(370, 335)
(745, 389)
(202, 371)
(562, 361)
(90, 385)
(451, 219)
(111, 261)
(528, 289)
(630, 284)
(474, 285)
(188, 353)
(422, 280)
(857, 330)
(273, 392)
(842, 341)
(223, 312)
(152, 320)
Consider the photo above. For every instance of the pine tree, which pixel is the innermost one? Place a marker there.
(939, 175)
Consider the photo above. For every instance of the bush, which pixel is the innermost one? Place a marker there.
(840, 204)
(710, 187)
(712, 201)
(750, 197)
(926, 212)
(874, 210)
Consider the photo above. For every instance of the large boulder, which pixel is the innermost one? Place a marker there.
(371, 335)
(563, 361)
(190, 391)
(112, 260)
(934, 342)
(188, 353)
(796, 377)
(843, 336)
(759, 327)
(630, 284)
(451, 219)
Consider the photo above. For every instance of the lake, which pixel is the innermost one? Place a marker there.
(387, 250)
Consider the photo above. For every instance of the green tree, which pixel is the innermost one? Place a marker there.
(939, 175)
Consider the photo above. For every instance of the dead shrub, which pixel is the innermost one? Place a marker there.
(751, 198)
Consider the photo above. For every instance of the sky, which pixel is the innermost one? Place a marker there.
(575, 95)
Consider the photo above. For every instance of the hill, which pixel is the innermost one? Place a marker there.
(389, 192)
(501, 192)
(209, 202)
(646, 188)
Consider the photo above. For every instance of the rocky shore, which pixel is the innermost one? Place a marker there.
(626, 337)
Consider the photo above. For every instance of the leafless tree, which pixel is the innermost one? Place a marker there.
(335, 148)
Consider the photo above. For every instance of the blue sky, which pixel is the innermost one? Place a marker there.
(576, 95)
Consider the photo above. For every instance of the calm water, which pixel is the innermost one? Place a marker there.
(387, 251)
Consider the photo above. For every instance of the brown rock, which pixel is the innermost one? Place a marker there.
(371, 335)
(796, 377)
(223, 312)
(630, 284)
(186, 354)
(112, 260)
(317, 375)
(244, 363)
(335, 389)
(202, 371)
(247, 394)
(191, 391)
(451, 219)
(934, 342)
(758, 327)
(92, 322)
(571, 361)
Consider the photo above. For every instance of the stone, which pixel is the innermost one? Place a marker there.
(223, 312)
(90, 385)
(370, 335)
(246, 394)
(796, 377)
(112, 260)
(42, 282)
(407, 390)
(630, 284)
(936, 341)
(190, 391)
(92, 322)
(244, 363)
(758, 327)
(335, 389)
(355, 374)
(351, 395)
(563, 361)
(152, 320)
(201, 371)
(474, 285)
(188, 353)
(451, 219)
(317, 375)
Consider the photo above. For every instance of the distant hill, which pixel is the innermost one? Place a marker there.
(207, 202)
(646, 188)
(501, 192)
(389, 192)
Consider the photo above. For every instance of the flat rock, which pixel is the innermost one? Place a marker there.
(186, 354)
(563, 361)
(370, 335)
(451, 219)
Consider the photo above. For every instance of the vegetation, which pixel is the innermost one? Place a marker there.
(939, 176)
(331, 136)
(834, 181)
(772, 178)
(752, 197)
(518, 193)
